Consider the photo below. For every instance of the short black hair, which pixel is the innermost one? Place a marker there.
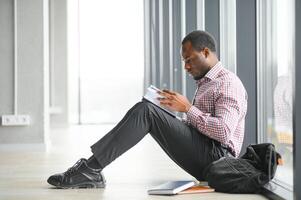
(200, 39)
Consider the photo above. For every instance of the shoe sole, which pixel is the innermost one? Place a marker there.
(82, 185)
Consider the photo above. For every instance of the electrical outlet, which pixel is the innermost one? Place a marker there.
(15, 120)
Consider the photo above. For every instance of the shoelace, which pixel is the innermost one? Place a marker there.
(73, 168)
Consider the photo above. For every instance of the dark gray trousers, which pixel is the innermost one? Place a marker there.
(184, 144)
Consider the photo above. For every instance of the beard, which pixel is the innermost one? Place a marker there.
(198, 76)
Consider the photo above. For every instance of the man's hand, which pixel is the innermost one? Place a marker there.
(174, 101)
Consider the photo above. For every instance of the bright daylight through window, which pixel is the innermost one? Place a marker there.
(106, 39)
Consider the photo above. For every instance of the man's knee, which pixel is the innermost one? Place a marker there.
(140, 104)
(144, 105)
(147, 104)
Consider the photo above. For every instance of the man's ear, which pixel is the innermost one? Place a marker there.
(206, 52)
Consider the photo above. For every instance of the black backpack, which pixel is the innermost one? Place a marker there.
(246, 174)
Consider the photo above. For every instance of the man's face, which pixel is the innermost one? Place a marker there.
(196, 62)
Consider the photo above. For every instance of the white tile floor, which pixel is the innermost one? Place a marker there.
(23, 175)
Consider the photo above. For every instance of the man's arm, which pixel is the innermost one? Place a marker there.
(228, 107)
(220, 126)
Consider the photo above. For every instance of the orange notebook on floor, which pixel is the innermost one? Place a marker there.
(197, 189)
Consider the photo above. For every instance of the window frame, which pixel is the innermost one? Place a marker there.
(297, 106)
(265, 59)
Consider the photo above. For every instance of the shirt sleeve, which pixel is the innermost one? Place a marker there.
(220, 125)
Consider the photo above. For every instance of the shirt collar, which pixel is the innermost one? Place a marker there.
(212, 73)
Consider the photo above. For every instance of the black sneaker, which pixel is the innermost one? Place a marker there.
(80, 175)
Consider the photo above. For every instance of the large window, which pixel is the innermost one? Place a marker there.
(106, 39)
(275, 63)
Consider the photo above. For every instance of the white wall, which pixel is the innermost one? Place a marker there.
(33, 88)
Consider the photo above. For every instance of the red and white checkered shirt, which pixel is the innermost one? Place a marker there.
(219, 108)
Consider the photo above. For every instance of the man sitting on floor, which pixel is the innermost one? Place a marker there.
(213, 126)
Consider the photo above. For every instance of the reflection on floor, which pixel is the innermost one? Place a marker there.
(23, 175)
